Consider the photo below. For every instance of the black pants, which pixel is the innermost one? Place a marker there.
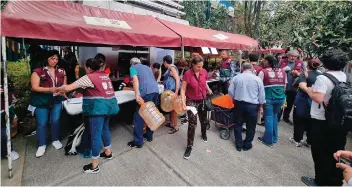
(325, 142)
(224, 87)
(245, 112)
(301, 125)
(192, 121)
(290, 99)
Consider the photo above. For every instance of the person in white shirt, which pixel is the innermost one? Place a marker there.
(324, 140)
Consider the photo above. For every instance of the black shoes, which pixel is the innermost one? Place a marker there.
(103, 155)
(238, 148)
(246, 148)
(262, 141)
(148, 139)
(204, 138)
(133, 145)
(187, 153)
(89, 169)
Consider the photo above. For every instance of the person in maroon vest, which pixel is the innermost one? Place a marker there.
(45, 82)
(99, 103)
(293, 68)
(227, 71)
(253, 58)
(274, 79)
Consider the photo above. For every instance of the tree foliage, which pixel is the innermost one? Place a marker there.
(3, 3)
(311, 25)
(200, 14)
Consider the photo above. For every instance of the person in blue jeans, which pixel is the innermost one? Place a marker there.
(146, 89)
(99, 103)
(274, 79)
(45, 82)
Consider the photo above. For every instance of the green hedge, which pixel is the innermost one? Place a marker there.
(19, 74)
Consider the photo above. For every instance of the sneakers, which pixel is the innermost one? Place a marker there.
(288, 121)
(187, 153)
(305, 143)
(57, 144)
(103, 155)
(204, 138)
(309, 181)
(89, 169)
(40, 151)
(14, 155)
(262, 141)
(133, 145)
(298, 144)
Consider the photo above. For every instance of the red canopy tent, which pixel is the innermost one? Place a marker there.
(72, 22)
(200, 37)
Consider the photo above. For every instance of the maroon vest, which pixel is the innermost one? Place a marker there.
(45, 79)
(272, 77)
(225, 64)
(257, 69)
(298, 64)
(102, 86)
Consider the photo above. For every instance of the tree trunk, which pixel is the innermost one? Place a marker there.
(257, 19)
(249, 21)
(245, 16)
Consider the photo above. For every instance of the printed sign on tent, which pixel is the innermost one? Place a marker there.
(106, 22)
(220, 36)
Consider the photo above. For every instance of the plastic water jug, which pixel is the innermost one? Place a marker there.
(178, 105)
(166, 101)
(151, 115)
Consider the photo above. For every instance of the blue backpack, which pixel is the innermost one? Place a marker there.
(170, 82)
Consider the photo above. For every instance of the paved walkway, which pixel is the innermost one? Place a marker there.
(161, 162)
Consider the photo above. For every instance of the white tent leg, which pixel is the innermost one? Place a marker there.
(7, 113)
(183, 51)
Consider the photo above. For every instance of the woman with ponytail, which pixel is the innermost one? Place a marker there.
(301, 112)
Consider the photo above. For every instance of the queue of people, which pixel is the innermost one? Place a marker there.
(306, 90)
(257, 88)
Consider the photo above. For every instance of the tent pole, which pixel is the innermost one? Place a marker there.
(77, 55)
(25, 57)
(183, 51)
(7, 119)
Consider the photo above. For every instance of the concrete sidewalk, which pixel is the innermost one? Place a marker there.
(161, 162)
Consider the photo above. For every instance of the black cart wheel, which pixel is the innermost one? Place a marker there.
(225, 134)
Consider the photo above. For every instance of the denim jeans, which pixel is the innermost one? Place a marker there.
(271, 109)
(42, 117)
(138, 121)
(99, 129)
(245, 112)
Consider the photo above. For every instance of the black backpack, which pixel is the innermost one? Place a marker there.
(74, 140)
(338, 112)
